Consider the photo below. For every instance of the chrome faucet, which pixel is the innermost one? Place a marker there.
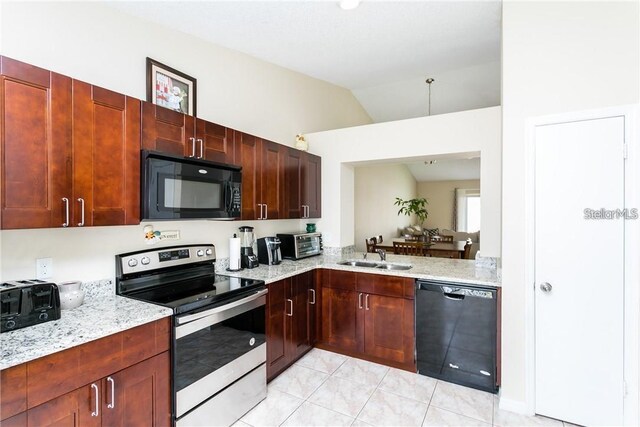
(383, 254)
(364, 256)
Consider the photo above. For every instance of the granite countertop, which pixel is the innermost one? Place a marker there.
(103, 313)
(448, 270)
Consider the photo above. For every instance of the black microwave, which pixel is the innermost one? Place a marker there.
(176, 187)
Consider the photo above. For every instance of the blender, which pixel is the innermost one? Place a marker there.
(247, 257)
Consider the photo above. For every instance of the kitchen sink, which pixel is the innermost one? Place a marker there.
(360, 264)
(380, 265)
(393, 267)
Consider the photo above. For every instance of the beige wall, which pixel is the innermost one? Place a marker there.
(440, 195)
(375, 189)
(557, 57)
(94, 43)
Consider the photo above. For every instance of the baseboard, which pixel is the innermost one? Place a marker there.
(517, 406)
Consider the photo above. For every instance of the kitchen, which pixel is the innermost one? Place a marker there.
(87, 253)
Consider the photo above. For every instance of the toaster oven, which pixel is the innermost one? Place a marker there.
(300, 245)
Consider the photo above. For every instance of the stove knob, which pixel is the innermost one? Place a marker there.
(145, 260)
(133, 262)
(209, 251)
(200, 252)
(10, 324)
(43, 316)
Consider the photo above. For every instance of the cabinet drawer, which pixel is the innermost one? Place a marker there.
(339, 280)
(13, 398)
(391, 286)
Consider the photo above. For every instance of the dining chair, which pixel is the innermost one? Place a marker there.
(409, 248)
(467, 251)
(371, 244)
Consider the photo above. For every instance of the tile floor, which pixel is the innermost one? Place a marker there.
(328, 389)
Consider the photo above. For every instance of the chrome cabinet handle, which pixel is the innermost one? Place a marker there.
(113, 393)
(201, 148)
(81, 223)
(97, 405)
(366, 302)
(313, 294)
(360, 300)
(193, 147)
(260, 208)
(66, 210)
(266, 211)
(546, 287)
(290, 301)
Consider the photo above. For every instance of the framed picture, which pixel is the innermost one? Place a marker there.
(170, 88)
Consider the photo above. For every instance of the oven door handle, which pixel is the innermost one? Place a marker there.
(191, 317)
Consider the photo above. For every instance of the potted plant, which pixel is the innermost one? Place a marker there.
(415, 207)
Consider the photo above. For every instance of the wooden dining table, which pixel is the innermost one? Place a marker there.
(438, 249)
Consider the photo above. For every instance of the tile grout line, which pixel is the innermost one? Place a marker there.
(430, 399)
(374, 392)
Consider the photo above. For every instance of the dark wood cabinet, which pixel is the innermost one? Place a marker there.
(175, 133)
(121, 379)
(106, 157)
(290, 308)
(302, 184)
(370, 316)
(35, 130)
(262, 164)
(70, 151)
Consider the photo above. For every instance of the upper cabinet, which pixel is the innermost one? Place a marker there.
(262, 164)
(302, 184)
(182, 135)
(71, 151)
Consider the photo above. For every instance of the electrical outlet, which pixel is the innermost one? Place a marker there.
(44, 268)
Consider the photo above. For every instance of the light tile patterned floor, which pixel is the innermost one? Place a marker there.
(328, 389)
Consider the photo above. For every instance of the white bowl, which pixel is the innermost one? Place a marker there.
(73, 285)
(71, 299)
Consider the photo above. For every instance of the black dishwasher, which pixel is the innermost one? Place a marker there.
(456, 333)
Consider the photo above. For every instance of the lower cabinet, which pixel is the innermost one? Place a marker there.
(138, 395)
(370, 316)
(123, 379)
(291, 315)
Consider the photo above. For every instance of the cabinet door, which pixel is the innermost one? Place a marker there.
(292, 180)
(300, 319)
(35, 129)
(247, 155)
(341, 319)
(167, 131)
(139, 395)
(214, 142)
(277, 328)
(76, 408)
(272, 179)
(389, 328)
(312, 176)
(106, 156)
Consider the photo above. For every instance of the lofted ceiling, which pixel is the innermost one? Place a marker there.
(382, 50)
(446, 169)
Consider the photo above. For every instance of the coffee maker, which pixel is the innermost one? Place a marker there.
(269, 251)
(247, 258)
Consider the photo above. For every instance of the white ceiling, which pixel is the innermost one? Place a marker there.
(446, 170)
(379, 43)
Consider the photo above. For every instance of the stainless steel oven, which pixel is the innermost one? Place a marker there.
(213, 349)
(218, 347)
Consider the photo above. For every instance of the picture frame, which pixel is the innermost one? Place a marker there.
(170, 88)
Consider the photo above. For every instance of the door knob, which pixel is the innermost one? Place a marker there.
(546, 287)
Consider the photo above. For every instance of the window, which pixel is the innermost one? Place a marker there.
(467, 210)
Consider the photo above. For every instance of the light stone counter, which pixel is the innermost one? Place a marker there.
(103, 313)
(449, 270)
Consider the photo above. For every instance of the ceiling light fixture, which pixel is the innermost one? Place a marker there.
(430, 162)
(349, 4)
(429, 81)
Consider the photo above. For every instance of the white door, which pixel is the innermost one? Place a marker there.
(579, 319)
